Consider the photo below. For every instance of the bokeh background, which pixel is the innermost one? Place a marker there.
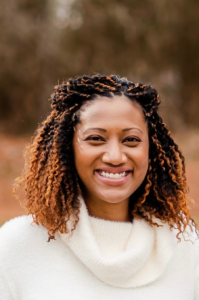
(43, 42)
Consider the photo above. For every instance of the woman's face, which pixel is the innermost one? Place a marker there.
(111, 148)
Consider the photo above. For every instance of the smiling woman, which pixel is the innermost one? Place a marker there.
(105, 182)
(111, 149)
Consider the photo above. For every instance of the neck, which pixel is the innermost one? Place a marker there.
(108, 211)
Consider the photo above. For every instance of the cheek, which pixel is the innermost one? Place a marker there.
(142, 168)
(82, 154)
(83, 157)
(140, 156)
(144, 162)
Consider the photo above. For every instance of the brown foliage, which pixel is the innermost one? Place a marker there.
(45, 40)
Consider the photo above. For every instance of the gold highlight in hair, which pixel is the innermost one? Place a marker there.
(51, 182)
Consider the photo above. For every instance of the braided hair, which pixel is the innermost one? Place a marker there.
(51, 181)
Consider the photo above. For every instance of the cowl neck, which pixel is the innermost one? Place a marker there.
(140, 260)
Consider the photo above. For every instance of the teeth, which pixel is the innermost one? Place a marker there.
(111, 175)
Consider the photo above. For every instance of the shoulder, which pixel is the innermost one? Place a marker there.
(20, 227)
(19, 235)
(188, 239)
(187, 243)
(13, 225)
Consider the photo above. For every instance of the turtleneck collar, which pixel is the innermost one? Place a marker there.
(121, 254)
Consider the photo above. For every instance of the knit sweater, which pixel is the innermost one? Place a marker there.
(100, 260)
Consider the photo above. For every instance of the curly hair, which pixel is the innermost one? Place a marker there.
(51, 181)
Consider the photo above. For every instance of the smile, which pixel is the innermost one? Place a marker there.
(114, 179)
(112, 175)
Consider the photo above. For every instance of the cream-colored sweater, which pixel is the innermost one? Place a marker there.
(101, 260)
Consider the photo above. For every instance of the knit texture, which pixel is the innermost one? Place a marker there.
(142, 259)
(100, 260)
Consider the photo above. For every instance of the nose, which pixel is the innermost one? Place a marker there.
(114, 154)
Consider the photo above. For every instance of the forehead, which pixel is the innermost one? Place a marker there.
(117, 110)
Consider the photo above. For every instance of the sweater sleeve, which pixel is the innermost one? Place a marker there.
(5, 293)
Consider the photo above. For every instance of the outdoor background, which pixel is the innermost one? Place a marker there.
(45, 41)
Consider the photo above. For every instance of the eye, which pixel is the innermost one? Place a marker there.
(132, 139)
(95, 138)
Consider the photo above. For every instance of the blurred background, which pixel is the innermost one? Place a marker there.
(43, 42)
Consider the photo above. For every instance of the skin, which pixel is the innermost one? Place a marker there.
(103, 140)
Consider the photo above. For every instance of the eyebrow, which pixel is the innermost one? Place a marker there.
(127, 129)
(104, 130)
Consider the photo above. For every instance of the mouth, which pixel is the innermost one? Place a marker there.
(113, 175)
(116, 178)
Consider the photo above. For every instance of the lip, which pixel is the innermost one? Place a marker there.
(111, 181)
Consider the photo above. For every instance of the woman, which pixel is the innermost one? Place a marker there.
(106, 182)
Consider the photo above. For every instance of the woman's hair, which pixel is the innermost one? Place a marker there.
(51, 181)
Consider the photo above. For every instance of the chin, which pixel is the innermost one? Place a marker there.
(113, 197)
